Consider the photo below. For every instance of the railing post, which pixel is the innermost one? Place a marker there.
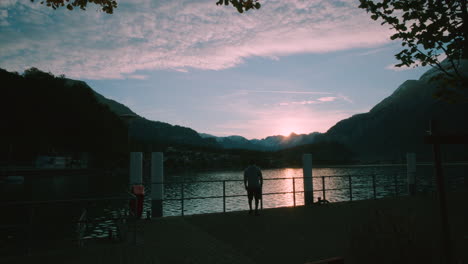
(261, 200)
(411, 172)
(224, 196)
(374, 187)
(135, 221)
(350, 188)
(294, 191)
(323, 187)
(396, 183)
(182, 198)
(308, 180)
(30, 231)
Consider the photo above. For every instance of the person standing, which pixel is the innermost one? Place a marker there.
(253, 182)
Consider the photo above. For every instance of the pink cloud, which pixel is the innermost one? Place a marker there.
(180, 35)
(327, 99)
(137, 76)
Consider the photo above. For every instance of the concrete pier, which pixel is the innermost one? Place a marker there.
(394, 230)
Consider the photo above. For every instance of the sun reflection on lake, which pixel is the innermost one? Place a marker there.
(280, 182)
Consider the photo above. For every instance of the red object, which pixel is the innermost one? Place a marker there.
(139, 192)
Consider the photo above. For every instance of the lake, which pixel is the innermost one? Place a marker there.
(336, 178)
(275, 181)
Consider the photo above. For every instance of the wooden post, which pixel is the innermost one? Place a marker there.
(350, 188)
(374, 187)
(307, 177)
(323, 187)
(224, 196)
(411, 172)
(441, 196)
(157, 184)
(294, 191)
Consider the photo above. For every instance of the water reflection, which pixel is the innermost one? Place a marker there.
(282, 183)
(366, 183)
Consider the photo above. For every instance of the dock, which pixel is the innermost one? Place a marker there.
(391, 230)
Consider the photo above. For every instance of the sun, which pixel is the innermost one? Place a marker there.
(288, 126)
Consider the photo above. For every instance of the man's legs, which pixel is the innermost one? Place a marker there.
(258, 196)
(250, 197)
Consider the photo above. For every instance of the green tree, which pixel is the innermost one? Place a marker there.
(108, 6)
(429, 30)
(241, 5)
(105, 5)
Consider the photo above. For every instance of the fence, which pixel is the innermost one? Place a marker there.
(335, 188)
(30, 226)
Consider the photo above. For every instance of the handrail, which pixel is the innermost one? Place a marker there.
(66, 200)
(392, 182)
(265, 179)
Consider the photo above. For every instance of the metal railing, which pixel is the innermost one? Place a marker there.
(393, 182)
(30, 225)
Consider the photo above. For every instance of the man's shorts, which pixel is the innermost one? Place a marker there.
(254, 192)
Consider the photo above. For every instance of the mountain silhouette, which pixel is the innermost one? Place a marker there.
(398, 123)
(271, 143)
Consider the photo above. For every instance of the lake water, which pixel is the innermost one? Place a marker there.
(336, 179)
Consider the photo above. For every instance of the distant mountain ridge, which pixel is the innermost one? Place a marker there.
(148, 131)
(392, 128)
(271, 143)
(398, 123)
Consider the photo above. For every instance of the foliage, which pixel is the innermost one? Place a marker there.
(46, 115)
(241, 5)
(428, 30)
(106, 6)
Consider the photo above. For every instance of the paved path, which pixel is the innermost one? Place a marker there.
(398, 230)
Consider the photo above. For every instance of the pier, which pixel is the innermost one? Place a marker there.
(390, 230)
(404, 227)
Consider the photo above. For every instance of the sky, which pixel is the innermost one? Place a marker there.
(292, 66)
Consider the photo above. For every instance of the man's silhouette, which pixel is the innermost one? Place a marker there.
(253, 182)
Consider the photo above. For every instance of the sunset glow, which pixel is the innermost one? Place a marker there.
(292, 66)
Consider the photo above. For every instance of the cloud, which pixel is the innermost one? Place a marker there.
(299, 103)
(179, 34)
(373, 51)
(137, 76)
(282, 121)
(440, 58)
(283, 92)
(4, 18)
(327, 99)
(320, 100)
(345, 98)
(395, 68)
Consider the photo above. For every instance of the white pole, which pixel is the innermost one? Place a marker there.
(411, 172)
(307, 177)
(157, 183)
(136, 168)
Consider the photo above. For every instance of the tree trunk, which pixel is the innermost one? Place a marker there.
(464, 28)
